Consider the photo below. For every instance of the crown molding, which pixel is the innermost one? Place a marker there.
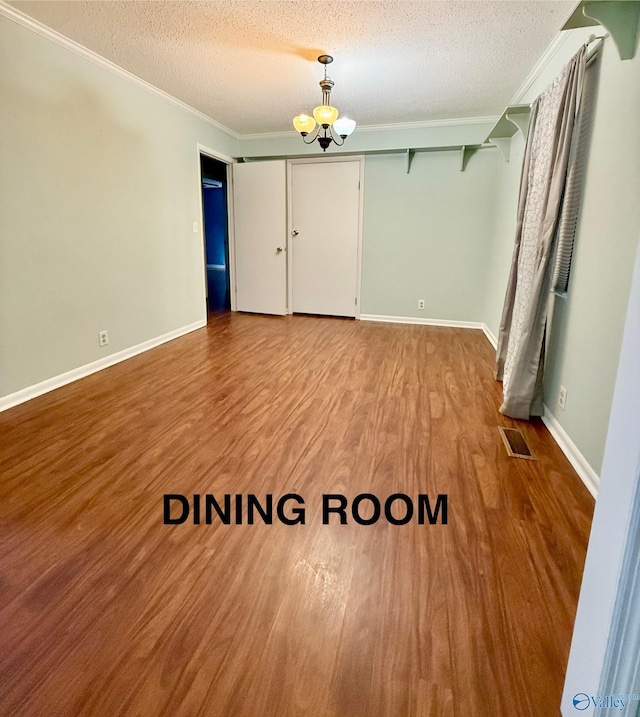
(75, 47)
(538, 68)
(428, 124)
(425, 124)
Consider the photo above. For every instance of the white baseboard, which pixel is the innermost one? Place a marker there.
(424, 322)
(587, 475)
(489, 334)
(433, 322)
(26, 394)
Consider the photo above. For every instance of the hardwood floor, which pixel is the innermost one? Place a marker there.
(107, 611)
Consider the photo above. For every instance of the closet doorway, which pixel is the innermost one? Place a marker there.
(298, 229)
(215, 229)
(325, 210)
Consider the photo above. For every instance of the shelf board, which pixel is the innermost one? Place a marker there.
(466, 151)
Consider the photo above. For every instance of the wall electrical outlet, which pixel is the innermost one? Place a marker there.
(103, 338)
(562, 397)
(421, 303)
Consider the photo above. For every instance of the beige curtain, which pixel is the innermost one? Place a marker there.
(520, 353)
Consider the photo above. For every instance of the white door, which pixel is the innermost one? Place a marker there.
(260, 217)
(325, 211)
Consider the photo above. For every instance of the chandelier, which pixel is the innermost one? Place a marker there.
(329, 127)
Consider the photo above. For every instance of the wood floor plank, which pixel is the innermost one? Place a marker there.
(107, 611)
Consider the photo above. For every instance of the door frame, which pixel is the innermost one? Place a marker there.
(213, 154)
(322, 160)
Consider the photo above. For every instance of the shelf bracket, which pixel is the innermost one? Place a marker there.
(514, 118)
(504, 145)
(466, 152)
(621, 19)
(410, 153)
(520, 120)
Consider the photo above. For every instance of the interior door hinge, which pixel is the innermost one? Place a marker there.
(356, 300)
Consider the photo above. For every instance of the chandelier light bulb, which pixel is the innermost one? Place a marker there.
(304, 124)
(325, 114)
(344, 126)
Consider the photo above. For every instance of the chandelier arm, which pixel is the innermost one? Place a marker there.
(335, 139)
(314, 135)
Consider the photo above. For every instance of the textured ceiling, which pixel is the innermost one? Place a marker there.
(252, 65)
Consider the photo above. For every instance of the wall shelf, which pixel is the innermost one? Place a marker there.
(466, 152)
(621, 19)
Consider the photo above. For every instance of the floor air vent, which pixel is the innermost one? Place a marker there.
(516, 445)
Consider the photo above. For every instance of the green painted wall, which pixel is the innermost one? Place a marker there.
(99, 192)
(502, 236)
(587, 327)
(426, 233)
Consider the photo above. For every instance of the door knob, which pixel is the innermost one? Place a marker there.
(279, 249)
(294, 233)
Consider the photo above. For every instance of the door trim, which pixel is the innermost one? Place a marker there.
(322, 160)
(208, 152)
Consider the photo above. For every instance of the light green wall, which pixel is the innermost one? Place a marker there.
(426, 234)
(98, 191)
(586, 328)
(502, 236)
